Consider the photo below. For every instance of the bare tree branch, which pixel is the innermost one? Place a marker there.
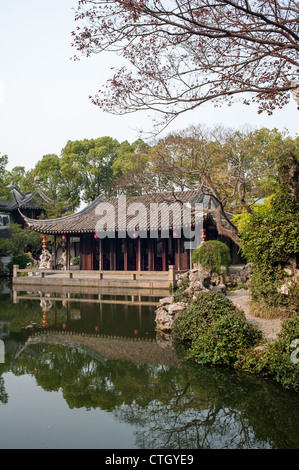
(181, 54)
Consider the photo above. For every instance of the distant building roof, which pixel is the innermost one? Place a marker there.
(9, 209)
(33, 200)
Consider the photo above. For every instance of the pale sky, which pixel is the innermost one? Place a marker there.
(44, 95)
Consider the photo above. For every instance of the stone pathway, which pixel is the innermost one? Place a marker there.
(269, 328)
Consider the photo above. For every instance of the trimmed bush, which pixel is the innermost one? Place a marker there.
(208, 306)
(215, 329)
(212, 255)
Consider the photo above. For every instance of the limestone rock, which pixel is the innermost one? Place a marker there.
(165, 301)
(240, 274)
(178, 307)
(291, 279)
(220, 288)
(167, 312)
(45, 261)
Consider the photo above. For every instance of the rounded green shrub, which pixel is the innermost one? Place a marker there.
(223, 341)
(212, 255)
(208, 306)
(215, 329)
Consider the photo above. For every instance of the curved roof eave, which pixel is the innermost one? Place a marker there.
(43, 225)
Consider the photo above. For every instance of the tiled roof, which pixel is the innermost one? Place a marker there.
(89, 219)
(34, 200)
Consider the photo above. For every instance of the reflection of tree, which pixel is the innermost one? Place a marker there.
(170, 428)
(190, 420)
(3, 394)
(186, 407)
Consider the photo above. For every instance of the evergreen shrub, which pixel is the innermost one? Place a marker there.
(212, 255)
(215, 329)
(76, 260)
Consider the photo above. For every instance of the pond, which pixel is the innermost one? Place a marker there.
(88, 371)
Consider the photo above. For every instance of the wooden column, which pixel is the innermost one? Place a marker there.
(100, 255)
(164, 255)
(179, 253)
(126, 255)
(110, 253)
(55, 253)
(149, 254)
(154, 252)
(138, 254)
(114, 253)
(82, 253)
(68, 253)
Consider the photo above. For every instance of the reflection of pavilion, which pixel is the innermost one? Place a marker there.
(93, 310)
(49, 294)
(107, 347)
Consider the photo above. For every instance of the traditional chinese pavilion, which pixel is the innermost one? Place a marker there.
(127, 243)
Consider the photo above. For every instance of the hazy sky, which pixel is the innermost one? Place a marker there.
(44, 95)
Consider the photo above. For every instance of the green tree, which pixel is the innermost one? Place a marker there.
(88, 163)
(4, 178)
(270, 240)
(61, 191)
(130, 165)
(19, 176)
(21, 241)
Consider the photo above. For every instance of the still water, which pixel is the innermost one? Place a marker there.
(87, 370)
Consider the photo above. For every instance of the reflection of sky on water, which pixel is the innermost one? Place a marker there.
(37, 419)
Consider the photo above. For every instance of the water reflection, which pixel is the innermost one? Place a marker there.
(93, 310)
(165, 402)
